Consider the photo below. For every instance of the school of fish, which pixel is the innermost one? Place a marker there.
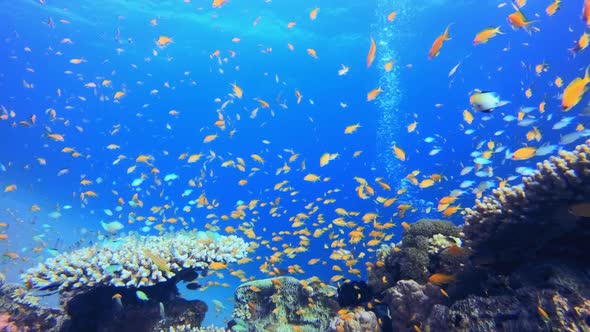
(349, 220)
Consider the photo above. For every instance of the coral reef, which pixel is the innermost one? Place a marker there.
(134, 261)
(417, 256)
(282, 303)
(109, 308)
(127, 284)
(15, 316)
(535, 216)
(412, 302)
(524, 265)
(357, 319)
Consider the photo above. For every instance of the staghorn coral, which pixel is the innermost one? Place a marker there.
(126, 262)
(533, 217)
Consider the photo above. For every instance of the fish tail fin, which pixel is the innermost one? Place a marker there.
(587, 75)
(446, 34)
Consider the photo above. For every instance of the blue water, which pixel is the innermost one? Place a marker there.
(116, 41)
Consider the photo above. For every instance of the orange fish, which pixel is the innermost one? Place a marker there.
(314, 13)
(441, 279)
(388, 66)
(371, 55)
(217, 266)
(9, 188)
(373, 94)
(163, 41)
(518, 21)
(56, 137)
(438, 43)
(209, 138)
(312, 52)
(552, 8)
(399, 153)
(237, 90)
(581, 44)
(574, 91)
(484, 36)
(391, 16)
(218, 3)
(524, 153)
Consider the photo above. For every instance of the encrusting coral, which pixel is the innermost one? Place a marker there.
(135, 261)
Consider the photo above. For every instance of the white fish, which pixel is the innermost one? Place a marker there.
(170, 177)
(66, 207)
(108, 212)
(482, 161)
(572, 137)
(429, 139)
(483, 174)
(499, 132)
(526, 122)
(528, 109)
(466, 170)
(112, 227)
(564, 122)
(469, 131)
(525, 171)
(466, 184)
(486, 101)
(509, 118)
(54, 215)
(545, 150)
(434, 151)
(476, 154)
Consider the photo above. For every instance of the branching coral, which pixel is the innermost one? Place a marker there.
(134, 261)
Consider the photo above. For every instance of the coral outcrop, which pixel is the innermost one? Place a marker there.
(417, 256)
(357, 319)
(523, 265)
(534, 218)
(282, 303)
